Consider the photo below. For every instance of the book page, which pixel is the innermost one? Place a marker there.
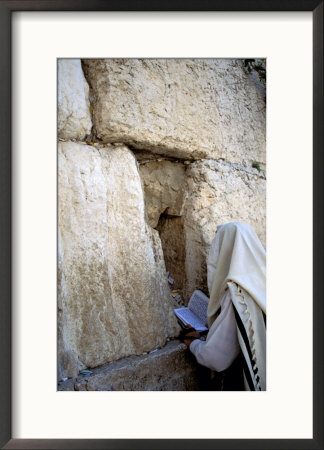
(198, 304)
(189, 318)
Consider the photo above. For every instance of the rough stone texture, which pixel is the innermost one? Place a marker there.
(256, 69)
(172, 368)
(164, 187)
(74, 118)
(172, 237)
(186, 108)
(218, 193)
(113, 295)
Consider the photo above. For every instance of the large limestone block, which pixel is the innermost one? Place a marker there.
(113, 295)
(74, 118)
(188, 108)
(171, 368)
(164, 187)
(219, 193)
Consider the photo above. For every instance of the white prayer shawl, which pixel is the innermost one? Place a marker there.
(236, 268)
(237, 255)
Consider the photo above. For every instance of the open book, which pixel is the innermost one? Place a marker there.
(195, 314)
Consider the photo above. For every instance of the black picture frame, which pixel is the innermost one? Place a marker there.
(6, 8)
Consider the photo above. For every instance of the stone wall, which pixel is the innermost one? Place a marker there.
(178, 107)
(153, 155)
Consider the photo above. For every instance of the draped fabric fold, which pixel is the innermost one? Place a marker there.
(236, 255)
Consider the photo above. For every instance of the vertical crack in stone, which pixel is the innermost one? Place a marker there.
(164, 184)
(172, 237)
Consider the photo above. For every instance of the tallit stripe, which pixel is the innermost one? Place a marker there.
(246, 350)
(243, 333)
(248, 375)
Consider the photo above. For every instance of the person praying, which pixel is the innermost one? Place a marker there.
(236, 278)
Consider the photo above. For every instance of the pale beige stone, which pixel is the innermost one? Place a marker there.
(74, 117)
(188, 108)
(164, 187)
(218, 193)
(114, 298)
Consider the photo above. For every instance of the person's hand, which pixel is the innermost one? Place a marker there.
(193, 334)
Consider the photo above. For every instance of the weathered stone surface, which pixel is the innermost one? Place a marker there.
(218, 193)
(172, 368)
(74, 118)
(256, 70)
(164, 187)
(113, 295)
(188, 108)
(171, 231)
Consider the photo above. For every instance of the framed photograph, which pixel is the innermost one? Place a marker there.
(90, 87)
